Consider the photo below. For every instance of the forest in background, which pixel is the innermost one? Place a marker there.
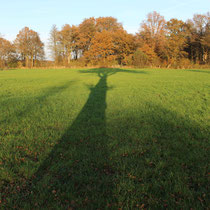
(104, 42)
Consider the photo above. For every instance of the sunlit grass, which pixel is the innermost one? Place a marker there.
(104, 138)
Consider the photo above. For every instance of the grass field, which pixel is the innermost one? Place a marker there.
(104, 138)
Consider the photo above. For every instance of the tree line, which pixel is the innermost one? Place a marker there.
(103, 41)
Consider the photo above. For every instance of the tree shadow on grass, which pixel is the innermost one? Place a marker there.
(30, 103)
(163, 157)
(200, 71)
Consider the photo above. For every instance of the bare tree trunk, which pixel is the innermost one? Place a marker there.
(69, 58)
(32, 61)
(27, 61)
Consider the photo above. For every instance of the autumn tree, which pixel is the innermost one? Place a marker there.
(153, 33)
(7, 52)
(54, 45)
(153, 26)
(205, 42)
(87, 30)
(94, 39)
(198, 39)
(29, 46)
(140, 59)
(176, 40)
(201, 26)
(75, 41)
(108, 24)
(101, 49)
(124, 46)
(151, 55)
(68, 39)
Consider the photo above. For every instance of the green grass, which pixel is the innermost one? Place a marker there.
(104, 138)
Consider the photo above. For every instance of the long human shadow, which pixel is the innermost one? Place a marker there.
(78, 169)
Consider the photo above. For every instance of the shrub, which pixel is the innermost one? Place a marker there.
(140, 59)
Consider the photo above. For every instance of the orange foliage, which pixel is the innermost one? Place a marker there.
(101, 50)
(104, 41)
(6, 52)
(29, 46)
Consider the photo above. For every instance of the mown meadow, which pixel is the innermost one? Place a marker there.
(104, 138)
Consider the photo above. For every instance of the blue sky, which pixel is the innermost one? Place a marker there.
(40, 15)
